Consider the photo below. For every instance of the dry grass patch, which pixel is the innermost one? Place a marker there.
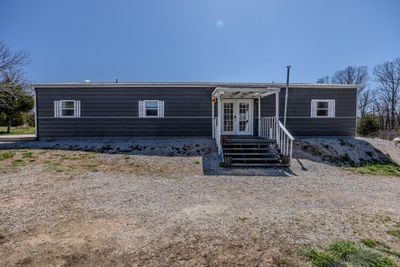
(77, 162)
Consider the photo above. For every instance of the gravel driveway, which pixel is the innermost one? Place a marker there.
(154, 207)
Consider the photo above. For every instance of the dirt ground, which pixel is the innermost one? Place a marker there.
(75, 208)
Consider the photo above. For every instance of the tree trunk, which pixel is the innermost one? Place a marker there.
(9, 124)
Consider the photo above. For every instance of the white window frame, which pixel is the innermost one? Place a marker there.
(58, 109)
(61, 109)
(330, 109)
(143, 109)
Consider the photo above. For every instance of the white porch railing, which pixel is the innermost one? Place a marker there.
(272, 128)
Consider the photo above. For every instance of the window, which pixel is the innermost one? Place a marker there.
(67, 109)
(151, 109)
(322, 108)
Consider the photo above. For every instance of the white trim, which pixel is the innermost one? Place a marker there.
(161, 109)
(259, 115)
(212, 118)
(61, 109)
(331, 113)
(142, 109)
(56, 109)
(77, 107)
(35, 110)
(277, 113)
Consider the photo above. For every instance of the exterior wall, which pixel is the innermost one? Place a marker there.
(114, 112)
(299, 121)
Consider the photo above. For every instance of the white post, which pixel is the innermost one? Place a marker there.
(219, 120)
(259, 116)
(277, 114)
(212, 118)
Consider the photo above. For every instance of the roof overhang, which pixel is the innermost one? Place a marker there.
(193, 85)
(244, 92)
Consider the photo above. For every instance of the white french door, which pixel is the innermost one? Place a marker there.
(237, 116)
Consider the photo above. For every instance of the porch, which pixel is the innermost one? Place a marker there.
(243, 136)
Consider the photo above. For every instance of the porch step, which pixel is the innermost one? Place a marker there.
(249, 141)
(251, 152)
(250, 160)
(258, 165)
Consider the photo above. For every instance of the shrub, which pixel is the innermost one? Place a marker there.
(368, 126)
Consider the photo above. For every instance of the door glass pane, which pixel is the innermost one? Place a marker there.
(228, 117)
(244, 117)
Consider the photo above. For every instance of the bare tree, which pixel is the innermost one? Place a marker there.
(353, 75)
(12, 59)
(324, 79)
(387, 78)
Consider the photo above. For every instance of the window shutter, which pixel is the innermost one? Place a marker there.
(77, 107)
(161, 109)
(141, 109)
(313, 108)
(331, 108)
(57, 109)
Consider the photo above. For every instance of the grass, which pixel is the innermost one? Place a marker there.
(348, 253)
(394, 232)
(378, 245)
(16, 130)
(7, 155)
(390, 169)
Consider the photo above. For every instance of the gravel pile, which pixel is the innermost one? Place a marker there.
(340, 152)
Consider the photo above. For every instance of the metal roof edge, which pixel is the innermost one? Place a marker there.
(193, 84)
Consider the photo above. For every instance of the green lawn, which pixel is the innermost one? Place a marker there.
(15, 130)
(347, 253)
(378, 169)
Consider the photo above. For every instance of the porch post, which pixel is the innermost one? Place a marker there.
(212, 118)
(259, 116)
(219, 113)
(277, 115)
(277, 105)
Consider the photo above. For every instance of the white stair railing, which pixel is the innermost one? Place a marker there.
(272, 128)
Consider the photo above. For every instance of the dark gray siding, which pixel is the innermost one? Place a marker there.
(114, 112)
(299, 121)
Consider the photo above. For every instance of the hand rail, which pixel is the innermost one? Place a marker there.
(273, 129)
(285, 130)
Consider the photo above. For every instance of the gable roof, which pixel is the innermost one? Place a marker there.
(194, 84)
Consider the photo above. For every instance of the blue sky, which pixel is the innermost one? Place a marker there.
(207, 40)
